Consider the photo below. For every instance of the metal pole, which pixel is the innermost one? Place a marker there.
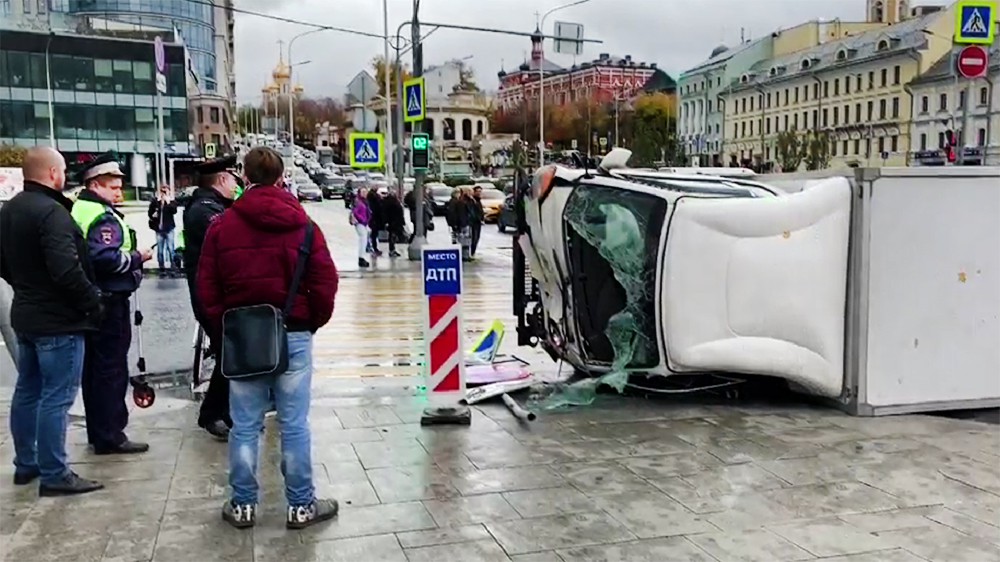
(388, 91)
(413, 251)
(163, 144)
(48, 88)
(291, 110)
(157, 166)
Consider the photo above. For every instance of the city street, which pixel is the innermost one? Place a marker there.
(626, 479)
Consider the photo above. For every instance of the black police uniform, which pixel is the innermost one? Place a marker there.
(117, 265)
(205, 206)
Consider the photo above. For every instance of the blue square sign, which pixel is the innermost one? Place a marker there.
(442, 270)
(366, 150)
(974, 22)
(414, 102)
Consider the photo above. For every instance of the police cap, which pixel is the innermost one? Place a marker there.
(216, 166)
(104, 165)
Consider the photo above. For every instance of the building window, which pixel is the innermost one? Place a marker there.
(871, 110)
(943, 102)
(836, 86)
(805, 93)
(815, 90)
(924, 104)
(881, 108)
(857, 146)
(923, 141)
(981, 137)
(845, 148)
(805, 120)
(795, 121)
(736, 131)
(895, 107)
(200, 113)
(941, 139)
(768, 126)
(847, 114)
(884, 78)
(825, 121)
(815, 118)
(881, 145)
(751, 104)
(795, 94)
(751, 128)
(836, 116)
(826, 89)
(213, 114)
(984, 96)
(894, 143)
(895, 75)
(479, 124)
(743, 105)
(217, 140)
(847, 87)
(961, 99)
(743, 129)
(833, 149)
(858, 83)
(857, 113)
(786, 122)
(871, 80)
(27, 6)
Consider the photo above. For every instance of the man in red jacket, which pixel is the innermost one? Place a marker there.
(248, 258)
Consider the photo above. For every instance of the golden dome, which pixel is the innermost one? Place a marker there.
(299, 89)
(281, 72)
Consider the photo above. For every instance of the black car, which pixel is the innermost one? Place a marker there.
(508, 216)
(333, 186)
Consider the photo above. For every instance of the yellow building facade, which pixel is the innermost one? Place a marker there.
(852, 89)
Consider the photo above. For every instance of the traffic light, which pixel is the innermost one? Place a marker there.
(420, 146)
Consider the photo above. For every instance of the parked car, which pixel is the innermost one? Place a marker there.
(309, 192)
(333, 186)
(492, 200)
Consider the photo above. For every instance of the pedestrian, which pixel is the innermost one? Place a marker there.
(234, 274)
(217, 187)
(377, 222)
(117, 263)
(56, 302)
(459, 218)
(161, 220)
(395, 222)
(410, 202)
(360, 217)
(478, 216)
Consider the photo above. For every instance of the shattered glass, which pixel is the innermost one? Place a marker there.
(620, 225)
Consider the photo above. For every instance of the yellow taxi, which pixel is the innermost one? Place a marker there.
(492, 200)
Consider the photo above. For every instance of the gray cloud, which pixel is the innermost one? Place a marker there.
(673, 33)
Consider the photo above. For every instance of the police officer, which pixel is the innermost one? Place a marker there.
(217, 188)
(117, 264)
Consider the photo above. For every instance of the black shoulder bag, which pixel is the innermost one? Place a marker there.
(255, 338)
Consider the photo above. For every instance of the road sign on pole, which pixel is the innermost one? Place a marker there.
(973, 61)
(974, 22)
(415, 103)
(366, 150)
(210, 150)
(444, 358)
(363, 88)
(568, 39)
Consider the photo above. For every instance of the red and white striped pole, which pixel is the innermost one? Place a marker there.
(444, 359)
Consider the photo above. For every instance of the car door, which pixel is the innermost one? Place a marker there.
(758, 286)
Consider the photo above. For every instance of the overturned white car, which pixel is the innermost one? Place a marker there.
(668, 272)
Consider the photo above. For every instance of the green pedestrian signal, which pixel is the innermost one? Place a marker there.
(421, 154)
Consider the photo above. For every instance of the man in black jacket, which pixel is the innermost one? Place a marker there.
(55, 303)
(161, 221)
(377, 223)
(216, 191)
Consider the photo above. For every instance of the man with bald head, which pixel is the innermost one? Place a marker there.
(56, 302)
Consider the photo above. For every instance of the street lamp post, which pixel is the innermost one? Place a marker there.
(541, 82)
(291, 110)
(389, 94)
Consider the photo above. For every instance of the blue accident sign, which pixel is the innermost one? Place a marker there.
(442, 270)
(974, 22)
(365, 150)
(414, 102)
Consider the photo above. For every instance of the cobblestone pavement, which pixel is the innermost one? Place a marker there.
(626, 479)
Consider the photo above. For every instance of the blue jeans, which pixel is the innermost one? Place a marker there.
(249, 400)
(165, 249)
(48, 378)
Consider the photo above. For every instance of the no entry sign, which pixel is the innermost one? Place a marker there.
(973, 61)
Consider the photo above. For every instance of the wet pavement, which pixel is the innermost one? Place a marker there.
(626, 479)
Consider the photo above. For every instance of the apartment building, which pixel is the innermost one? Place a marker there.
(853, 90)
(943, 101)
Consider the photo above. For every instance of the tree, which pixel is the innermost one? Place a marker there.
(395, 72)
(654, 126)
(816, 150)
(788, 150)
(11, 156)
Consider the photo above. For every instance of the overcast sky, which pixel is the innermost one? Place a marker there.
(675, 34)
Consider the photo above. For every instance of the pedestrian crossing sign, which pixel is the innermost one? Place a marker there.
(414, 102)
(975, 22)
(366, 150)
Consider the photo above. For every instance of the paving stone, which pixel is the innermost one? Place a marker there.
(379, 548)
(392, 453)
(506, 480)
(831, 537)
(657, 550)
(823, 500)
(602, 478)
(537, 557)
(914, 517)
(895, 555)
(550, 501)
(943, 544)
(755, 545)
(368, 416)
(202, 532)
(373, 520)
(409, 483)
(443, 535)
(478, 551)
(558, 531)
(470, 510)
(813, 470)
(656, 468)
(653, 515)
(967, 525)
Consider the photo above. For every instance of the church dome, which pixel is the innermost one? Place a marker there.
(524, 67)
(281, 72)
(298, 89)
(501, 74)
